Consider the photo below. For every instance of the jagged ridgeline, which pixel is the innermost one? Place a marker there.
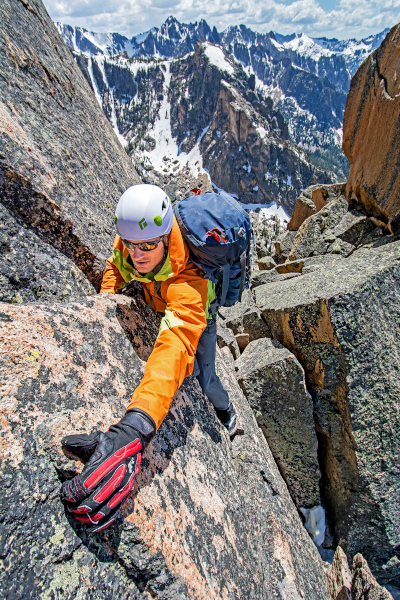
(307, 78)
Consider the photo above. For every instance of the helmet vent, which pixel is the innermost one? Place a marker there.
(164, 205)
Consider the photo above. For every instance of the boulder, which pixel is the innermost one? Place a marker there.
(208, 517)
(364, 585)
(370, 130)
(244, 317)
(30, 269)
(261, 277)
(354, 228)
(62, 168)
(225, 338)
(284, 243)
(303, 209)
(342, 323)
(339, 577)
(313, 237)
(273, 382)
(311, 201)
(294, 266)
(266, 264)
(338, 246)
(317, 262)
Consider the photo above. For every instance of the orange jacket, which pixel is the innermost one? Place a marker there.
(185, 297)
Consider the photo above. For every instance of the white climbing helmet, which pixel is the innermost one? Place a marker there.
(143, 212)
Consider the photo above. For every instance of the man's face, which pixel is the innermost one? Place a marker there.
(146, 260)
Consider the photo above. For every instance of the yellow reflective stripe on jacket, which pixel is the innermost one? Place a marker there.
(169, 321)
(210, 298)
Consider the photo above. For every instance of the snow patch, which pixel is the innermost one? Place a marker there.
(315, 523)
(94, 82)
(113, 119)
(268, 210)
(217, 58)
(263, 133)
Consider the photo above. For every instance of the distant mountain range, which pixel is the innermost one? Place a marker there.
(307, 78)
(174, 39)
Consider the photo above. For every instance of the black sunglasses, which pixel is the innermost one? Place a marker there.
(145, 246)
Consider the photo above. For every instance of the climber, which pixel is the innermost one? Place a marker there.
(148, 248)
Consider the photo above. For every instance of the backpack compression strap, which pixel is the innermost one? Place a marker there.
(225, 282)
(243, 261)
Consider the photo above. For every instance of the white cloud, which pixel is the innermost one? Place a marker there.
(349, 18)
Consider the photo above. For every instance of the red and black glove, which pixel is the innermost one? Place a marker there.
(112, 461)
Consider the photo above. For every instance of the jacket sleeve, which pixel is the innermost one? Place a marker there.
(174, 352)
(112, 278)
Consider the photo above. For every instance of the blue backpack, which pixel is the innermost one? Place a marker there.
(218, 232)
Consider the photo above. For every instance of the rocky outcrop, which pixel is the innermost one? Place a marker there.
(208, 517)
(62, 168)
(337, 321)
(370, 130)
(364, 584)
(315, 235)
(312, 200)
(358, 584)
(333, 226)
(283, 244)
(31, 270)
(339, 577)
(273, 381)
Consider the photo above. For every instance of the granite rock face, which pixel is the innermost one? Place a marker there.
(208, 517)
(272, 380)
(370, 130)
(62, 168)
(31, 270)
(342, 324)
(358, 584)
(283, 244)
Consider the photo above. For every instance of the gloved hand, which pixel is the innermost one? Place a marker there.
(112, 461)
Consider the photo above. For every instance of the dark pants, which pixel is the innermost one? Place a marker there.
(204, 368)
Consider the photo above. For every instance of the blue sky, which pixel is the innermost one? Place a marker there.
(331, 18)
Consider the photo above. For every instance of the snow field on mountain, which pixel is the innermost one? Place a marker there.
(94, 82)
(216, 57)
(269, 210)
(167, 146)
(100, 62)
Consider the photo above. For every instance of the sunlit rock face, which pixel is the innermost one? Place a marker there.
(370, 128)
(207, 515)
